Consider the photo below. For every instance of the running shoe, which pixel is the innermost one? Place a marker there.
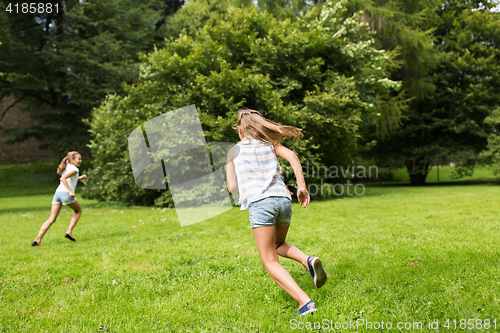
(308, 308)
(317, 271)
(69, 237)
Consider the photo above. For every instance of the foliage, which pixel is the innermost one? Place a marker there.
(284, 9)
(63, 64)
(406, 26)
(492, 153)
(359, 44)
(319, 77)
(169, 9)
(196, 13)
(467, 85)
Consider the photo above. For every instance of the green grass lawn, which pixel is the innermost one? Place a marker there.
(397, 254)
(481, 174)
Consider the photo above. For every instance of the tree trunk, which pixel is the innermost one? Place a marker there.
(418, 179)
(418, 170)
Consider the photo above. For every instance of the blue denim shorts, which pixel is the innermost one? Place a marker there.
(62, 197)
(270, 211)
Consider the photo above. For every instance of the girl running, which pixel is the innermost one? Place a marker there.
(65, 195)
(254, 171)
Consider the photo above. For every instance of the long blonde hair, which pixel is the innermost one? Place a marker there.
(68, 159)
(254, 125)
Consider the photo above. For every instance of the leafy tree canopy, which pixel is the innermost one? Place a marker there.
(319, 73)
(450, 122)
(64, 63)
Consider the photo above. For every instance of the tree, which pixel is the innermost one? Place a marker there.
(492, 152)
(406, 26)
(389, 104)
(170, 8)
(318, 76)
(64, 63)
(195, 14)
(284, 9)
(450, 122)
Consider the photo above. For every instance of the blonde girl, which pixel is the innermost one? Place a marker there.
(65, 195)
(253, 170)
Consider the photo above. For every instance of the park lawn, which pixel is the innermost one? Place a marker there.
(481, 174)
(397, 254)
(28, 179)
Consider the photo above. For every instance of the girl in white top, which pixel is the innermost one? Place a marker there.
(65, 195)
(253, 170)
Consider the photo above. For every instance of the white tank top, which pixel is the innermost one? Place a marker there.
(257, 172)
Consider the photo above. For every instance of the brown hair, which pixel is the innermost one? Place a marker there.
(254, 125)
(68, 159)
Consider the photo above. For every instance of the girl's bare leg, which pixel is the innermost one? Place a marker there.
(288, 250)
(265, 241)
(54, 212)
(78, 212)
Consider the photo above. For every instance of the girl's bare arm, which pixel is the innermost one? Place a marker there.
(290, 156)
(65, 181)
(232, 183)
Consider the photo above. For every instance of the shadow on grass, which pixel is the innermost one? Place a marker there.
(11, 191)
(370, 189)
(26, 210)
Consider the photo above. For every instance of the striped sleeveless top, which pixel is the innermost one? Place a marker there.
(257, 172)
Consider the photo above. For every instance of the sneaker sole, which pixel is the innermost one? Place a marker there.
(309, 311)
(319, 273)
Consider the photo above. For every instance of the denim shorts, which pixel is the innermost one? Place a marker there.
(270, 211)
(62, 197)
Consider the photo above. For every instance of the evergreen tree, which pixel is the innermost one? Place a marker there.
(450, 122)
(169, 9)
(64, 63)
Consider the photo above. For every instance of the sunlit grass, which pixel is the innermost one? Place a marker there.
(394, 254)
(481, 173)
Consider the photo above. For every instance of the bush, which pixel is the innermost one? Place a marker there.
(316, 76)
